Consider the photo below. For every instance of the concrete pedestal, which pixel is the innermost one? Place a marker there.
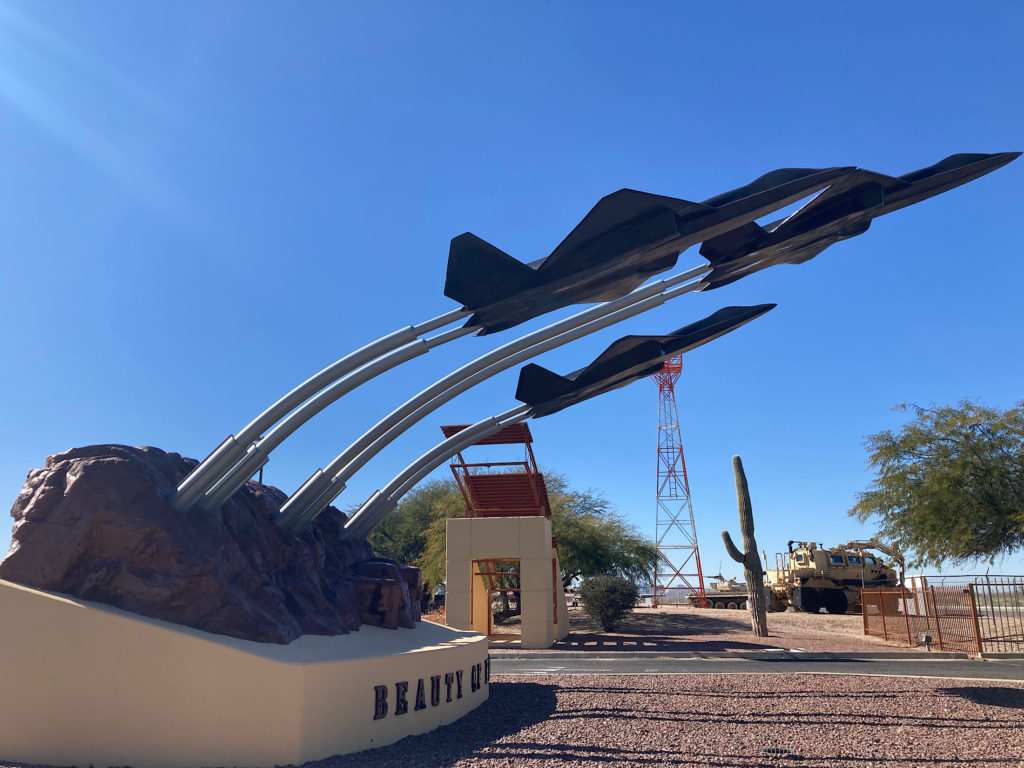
(82, 683)
(544, 614)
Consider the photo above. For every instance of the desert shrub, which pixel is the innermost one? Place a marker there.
(608, 599)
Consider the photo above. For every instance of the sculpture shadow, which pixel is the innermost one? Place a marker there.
(989, 696)
(510, 708)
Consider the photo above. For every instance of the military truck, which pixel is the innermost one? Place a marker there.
(810, 577)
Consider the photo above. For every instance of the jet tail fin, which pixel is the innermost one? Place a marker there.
(480, 274)
(539, 385)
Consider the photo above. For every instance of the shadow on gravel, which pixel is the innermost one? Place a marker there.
(994, 696)
(757, 696)
(798, 658)
(655, 632)
(540, 754)
(687, 705)
(510, 708)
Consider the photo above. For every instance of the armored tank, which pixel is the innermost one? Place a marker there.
(723, 593)
(810, 577)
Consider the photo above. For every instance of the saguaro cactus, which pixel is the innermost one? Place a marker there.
(753, 573)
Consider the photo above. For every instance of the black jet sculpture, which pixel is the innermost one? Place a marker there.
(626, 360)
(627, 237)
(624, 239)
(842, 211)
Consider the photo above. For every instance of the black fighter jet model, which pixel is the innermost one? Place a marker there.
(842, 211)
(624, 240)
(626, 360)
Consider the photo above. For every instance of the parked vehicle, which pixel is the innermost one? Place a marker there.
(722, 593)
(809, 577)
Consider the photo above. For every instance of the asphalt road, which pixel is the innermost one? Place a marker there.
(965, 669)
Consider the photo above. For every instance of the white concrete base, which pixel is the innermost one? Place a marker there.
(82, 683)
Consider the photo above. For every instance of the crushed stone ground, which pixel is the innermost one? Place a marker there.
(723, 721)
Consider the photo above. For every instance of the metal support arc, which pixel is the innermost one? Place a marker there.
(372, 442)
(506, 419)
(193, 486)
(373, 512)
(225, 488)
(209, 471)
(442, 397)
(313, 498)
(259, 453)
(384, 508)
(376, 502)
(432, 342)
(293, 512)
(310, 481)
(449, 392)
(338, 369)
(429, 461)
(341, 387)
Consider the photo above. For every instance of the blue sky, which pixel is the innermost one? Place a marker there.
(203, 204)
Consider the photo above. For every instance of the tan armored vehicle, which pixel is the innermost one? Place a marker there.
(722, 593)
(810, 577)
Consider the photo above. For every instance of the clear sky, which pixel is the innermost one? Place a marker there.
(204, 203)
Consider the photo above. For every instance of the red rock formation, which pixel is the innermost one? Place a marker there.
(94, 523)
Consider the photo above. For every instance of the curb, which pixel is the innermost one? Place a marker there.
(767, 655)
(1002, 656)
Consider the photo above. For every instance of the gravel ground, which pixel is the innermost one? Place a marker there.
(723, 721)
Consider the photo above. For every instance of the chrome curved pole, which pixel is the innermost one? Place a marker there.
(324, 485)
(227, 454)
(384, 501)
(259, 452)
(441, 395)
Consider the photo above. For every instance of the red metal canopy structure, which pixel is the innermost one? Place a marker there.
(501, 488)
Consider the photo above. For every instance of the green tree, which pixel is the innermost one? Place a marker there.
(405, 535)
(949, 485)
(592, 538)
(432, 561)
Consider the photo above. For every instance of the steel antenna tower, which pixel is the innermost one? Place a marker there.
(677, 568)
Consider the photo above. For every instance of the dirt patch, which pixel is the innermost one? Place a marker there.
(682, 628)
(435, 615)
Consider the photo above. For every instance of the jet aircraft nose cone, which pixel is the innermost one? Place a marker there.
(1004, 158)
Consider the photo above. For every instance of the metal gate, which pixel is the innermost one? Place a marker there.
(982, 616)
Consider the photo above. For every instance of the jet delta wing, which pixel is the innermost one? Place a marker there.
(842, 211)
(626, 360)
(624, 240)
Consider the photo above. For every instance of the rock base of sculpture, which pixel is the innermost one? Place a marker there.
(90, 684)
(94, 523)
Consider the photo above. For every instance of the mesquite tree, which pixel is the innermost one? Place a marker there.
(949, 485)
(752, 570)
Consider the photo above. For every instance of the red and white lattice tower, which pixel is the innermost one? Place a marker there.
(677, 571)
